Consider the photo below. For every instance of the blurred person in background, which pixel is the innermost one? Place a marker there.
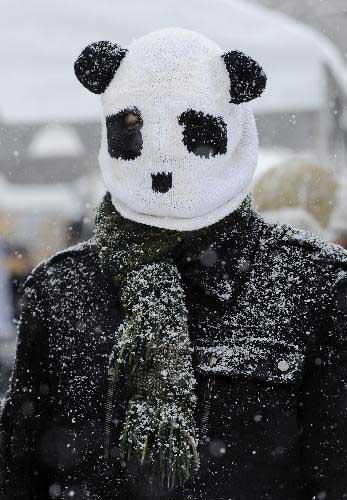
(73, 232)
(189, 350)
(77, 231)
(19, 264)
(341, 238)
(298, 192)
(338, 220)
(7, 330)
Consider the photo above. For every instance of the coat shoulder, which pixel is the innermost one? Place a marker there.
(77, 253)
(309, 245)
(79, 256)
(314, 257)
(80, 249)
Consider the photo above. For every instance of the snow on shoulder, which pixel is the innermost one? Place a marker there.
(82, 248)
(322, 250)
(74, 249)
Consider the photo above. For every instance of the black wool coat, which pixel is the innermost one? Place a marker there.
(267, 312)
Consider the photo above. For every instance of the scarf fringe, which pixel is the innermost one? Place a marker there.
(161, 438)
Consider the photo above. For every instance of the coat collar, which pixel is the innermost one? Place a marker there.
(216, 261)
(220, 267)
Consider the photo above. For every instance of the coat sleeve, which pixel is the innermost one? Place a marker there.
(27, 404)
(324, 438)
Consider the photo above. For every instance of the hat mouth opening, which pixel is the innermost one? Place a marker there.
(161, 182)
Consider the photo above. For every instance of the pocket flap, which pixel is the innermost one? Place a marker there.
(261, 358)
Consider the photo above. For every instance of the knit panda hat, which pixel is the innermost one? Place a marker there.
(179, 141)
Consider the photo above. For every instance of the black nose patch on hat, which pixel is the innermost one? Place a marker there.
(162, 182)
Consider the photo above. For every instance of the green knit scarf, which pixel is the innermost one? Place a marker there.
(153, 348)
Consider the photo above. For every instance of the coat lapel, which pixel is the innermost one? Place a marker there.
(221, 266)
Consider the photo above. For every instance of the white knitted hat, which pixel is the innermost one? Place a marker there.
(179, 143)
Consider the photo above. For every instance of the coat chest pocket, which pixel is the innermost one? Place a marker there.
(249, 385)
(256, 358)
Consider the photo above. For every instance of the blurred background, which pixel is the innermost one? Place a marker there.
(50, 131)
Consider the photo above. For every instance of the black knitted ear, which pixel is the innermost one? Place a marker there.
(247, 78)
(97, 64)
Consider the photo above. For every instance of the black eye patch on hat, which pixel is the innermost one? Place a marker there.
(124, 137)
(203, 134)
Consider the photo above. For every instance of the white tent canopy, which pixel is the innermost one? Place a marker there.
(55, 141)
(40, 41)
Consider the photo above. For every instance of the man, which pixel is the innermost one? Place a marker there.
(189, 350)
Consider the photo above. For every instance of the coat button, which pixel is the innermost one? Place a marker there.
(283, 365)
(213, 360)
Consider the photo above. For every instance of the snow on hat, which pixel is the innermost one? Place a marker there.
(179, 141)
